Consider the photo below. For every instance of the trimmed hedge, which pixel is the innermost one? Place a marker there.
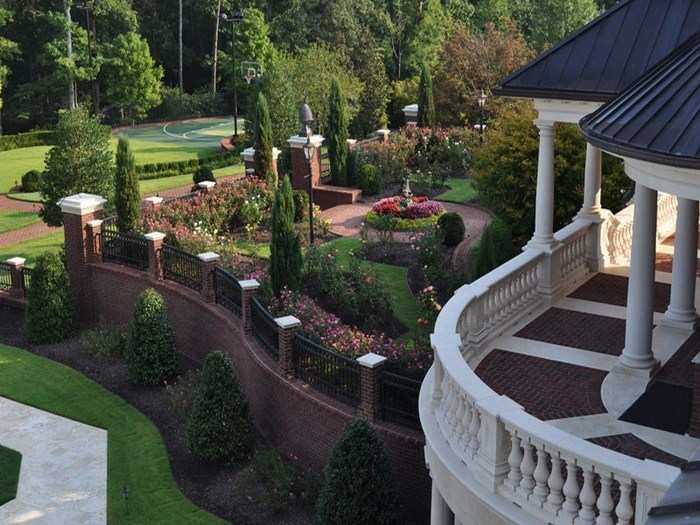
(27, 140)
(166, 169)
(451, 227)
(31, 181)
(369, 179)
(203, 174)
(399, 224)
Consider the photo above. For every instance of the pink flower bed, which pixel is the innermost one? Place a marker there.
(408, 208)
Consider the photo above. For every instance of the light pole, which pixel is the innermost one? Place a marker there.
(482, 105)
(234, 20)
(90, 24)
(306, 117)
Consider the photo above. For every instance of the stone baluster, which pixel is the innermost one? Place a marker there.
(459, 417)
(556, 484)
(624, 509)
(605, 502)
(527, 467)
(541, 476)
(587, 497)
(474, 427)
(463, 442)
(515, 458)
(571, 491)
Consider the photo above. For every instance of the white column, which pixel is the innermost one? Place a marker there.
(638, 354)
(681, 311)
(440, 513)
(591, 190)
(544, 212)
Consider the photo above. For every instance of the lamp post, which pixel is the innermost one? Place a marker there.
(234, 20)
(482, 104)
(90, 24)
(306, 117)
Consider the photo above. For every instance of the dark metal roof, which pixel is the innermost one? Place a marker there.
(602, 59)
(681, 504)
(658, 118)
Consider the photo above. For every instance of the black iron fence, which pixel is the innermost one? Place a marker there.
(181, 267)
(128, 249)
(229, 293)
(26, 279)
(265, 328)
(331, 373)
(399, 399)
(5, 276)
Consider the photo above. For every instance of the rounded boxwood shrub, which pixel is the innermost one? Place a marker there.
(383, 222)
(150, 349)
(369, 179)
(219, 426)
(50, 314)
(451, 227)
(359, 487)
(301, 204)
(203, 174)
(31, 181)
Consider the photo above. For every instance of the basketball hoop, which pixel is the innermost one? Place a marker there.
(251, 71)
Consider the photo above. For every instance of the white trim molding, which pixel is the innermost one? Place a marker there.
(571, 111)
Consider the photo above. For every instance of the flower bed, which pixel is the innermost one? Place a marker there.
(404, 214)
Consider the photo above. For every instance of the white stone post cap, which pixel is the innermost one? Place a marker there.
(352, 142)
(154, 200)
(155, 236)
(16, 261)
(411, 109)
(248, 154)
(298, 141)
(206, 185)
(208, 257)
(249, 284)
(288, 322)
(82, 204)
(383, 131)
(371, 360)
(96, 223)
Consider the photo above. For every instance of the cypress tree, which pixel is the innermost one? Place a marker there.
(285, 248)
(263, 142)
(127, 197)
(426, 103)
(359, 487)
(338, 150)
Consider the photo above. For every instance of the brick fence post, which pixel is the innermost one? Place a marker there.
(288, 327)
(94, 232)
(694, 429)
(249, 289)
(155, 243)
(16, 276)
(206, 186)
(384, 134)
(210, 261)
(371, 367)
(152, 204)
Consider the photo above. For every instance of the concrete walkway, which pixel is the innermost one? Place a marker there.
(63, 476)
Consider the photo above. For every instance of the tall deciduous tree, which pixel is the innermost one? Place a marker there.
(127, 198)
(8, 49)
(426, 102)
(338, 149)
(285, 249)
(263, 142)
(81, 161)
(370, 69)
(545, 22)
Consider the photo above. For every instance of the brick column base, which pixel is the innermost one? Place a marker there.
(155, 243)
(210, 261)
(249, 290)
(371, 367)
(288, 327)
(16, 276)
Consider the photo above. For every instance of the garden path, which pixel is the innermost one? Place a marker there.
(63, 475)
(22, 234)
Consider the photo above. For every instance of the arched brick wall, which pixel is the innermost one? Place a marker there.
(292, 417)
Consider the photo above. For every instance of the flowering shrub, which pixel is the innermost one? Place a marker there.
(404, 214)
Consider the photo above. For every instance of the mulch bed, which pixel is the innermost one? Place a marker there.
(225, 490)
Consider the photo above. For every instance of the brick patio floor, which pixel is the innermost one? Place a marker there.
(631, 445)
(612, 289)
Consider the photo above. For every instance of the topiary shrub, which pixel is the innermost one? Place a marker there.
(369, 179)
(359, 487)
(50, 314)
(219, 426)
(451, 228)
(31, 181)
(495, 248)
(301, 204)
(203, 174)
(150, 348)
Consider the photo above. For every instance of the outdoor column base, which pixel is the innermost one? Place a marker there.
(636, 368)
(687, 321)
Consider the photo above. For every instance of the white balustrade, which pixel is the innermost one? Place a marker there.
(573, 253)
(667, 211)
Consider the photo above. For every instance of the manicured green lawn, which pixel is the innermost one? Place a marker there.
(17, 162)
(14, 220)
(137, 457)
(461, 191)
(394, 279)
(167, 183)
(32, 248)
(253, 249)
(10, 461)
(34, 196)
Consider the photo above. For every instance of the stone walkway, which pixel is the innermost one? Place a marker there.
(63, 476)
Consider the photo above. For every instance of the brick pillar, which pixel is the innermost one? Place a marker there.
(79, 210)
(384, 134)
(371, 367)
(288, 326)
(694, 429)
(155, 243)
(300, 169)
(249, 289)
(206, 186)
(410, 113)
(94, 232)
(152, 204)
(248, 158)
(210, 260)
(16, 276)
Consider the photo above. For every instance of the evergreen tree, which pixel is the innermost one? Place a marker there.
(359, 487)
(219, 426)
(127, 196)
(338, 149)
(263, 142)
(426, 103)
(285, 249)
